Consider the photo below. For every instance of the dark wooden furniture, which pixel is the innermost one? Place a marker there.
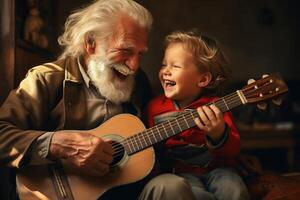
(272, 138)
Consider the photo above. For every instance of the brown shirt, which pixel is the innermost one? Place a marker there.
(51, 97)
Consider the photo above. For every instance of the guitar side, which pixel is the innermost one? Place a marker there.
(34, 182)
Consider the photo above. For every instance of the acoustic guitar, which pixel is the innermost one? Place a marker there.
(134, 155)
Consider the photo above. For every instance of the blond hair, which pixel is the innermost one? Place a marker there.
(98, 20)
(207, 56)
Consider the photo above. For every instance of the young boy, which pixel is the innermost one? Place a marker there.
(201, 158)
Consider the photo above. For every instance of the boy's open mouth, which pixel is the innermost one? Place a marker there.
(169, 83)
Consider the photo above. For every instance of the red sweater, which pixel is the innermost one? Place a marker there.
(224, 155)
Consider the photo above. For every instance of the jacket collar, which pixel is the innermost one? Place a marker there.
(72, 72)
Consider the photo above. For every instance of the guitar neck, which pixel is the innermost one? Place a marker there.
(172, 127)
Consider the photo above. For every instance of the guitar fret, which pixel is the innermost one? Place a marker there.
(165, 131)
(135, 142)
(171, 127)
(159, 133)
(148, 136)
(178, 125)
(139, 141)
(143, 139)
(127, 143)
(187, 125)
(130, 145)
(225, 103)
(153, 134)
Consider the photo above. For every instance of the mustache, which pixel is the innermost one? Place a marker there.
(122, 68)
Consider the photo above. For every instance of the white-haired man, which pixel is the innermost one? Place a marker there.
(96, 77)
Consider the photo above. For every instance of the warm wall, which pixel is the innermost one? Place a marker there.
(259, 36)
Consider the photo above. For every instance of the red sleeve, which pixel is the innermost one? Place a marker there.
(232, 145)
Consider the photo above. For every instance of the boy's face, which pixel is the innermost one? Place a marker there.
(179, 75)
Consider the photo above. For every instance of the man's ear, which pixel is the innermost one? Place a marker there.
(90, 45)
(204, 79)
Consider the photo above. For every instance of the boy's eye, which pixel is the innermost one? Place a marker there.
(163, 65)
(176, 66)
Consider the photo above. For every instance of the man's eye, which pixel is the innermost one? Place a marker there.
(125, 51)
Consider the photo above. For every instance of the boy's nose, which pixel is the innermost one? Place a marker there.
(166, 70)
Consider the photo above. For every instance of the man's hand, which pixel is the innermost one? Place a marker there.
(211, 121)
(84, 151)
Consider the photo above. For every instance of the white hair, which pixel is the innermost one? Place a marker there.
(98, 19)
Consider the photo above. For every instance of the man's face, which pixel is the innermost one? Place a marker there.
(112, 69)
(127, 45)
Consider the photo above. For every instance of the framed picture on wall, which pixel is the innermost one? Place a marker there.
(34, 28)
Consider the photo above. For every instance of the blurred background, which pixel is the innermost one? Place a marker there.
(258, 36)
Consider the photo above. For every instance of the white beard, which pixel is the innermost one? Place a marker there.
(103, 78)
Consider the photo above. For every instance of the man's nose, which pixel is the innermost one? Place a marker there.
(133, 63)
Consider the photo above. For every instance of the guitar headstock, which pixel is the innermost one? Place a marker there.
(268, 87)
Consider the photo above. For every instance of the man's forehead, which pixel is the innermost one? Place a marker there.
(132, 40)
(133, 45)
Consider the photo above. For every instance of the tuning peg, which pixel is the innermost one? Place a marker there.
(262, 106)
(250, 81)
(277, 101)
(265, 75)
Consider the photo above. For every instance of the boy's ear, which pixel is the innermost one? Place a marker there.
(204, 79)
(90, 45)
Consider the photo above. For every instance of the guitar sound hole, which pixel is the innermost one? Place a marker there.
(119, 153)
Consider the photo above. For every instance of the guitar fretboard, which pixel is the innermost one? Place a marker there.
(172, 127)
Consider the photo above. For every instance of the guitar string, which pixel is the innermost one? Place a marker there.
(179, 121)
(120, 148)
(230, 99)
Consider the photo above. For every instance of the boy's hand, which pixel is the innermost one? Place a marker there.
(211, 121)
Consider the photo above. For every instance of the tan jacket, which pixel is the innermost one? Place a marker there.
(50, 98)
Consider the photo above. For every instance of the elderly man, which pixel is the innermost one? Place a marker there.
(96, 77)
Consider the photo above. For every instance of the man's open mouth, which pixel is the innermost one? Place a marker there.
(121, 72)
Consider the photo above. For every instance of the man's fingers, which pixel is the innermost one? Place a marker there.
(99, 170)
(107, 148)
(106, 158)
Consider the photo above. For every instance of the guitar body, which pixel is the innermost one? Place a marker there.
(34, 182)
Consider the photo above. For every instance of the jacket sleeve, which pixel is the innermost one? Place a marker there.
(21, 117)
(232, 145)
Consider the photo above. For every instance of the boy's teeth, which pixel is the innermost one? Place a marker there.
(169, 82)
